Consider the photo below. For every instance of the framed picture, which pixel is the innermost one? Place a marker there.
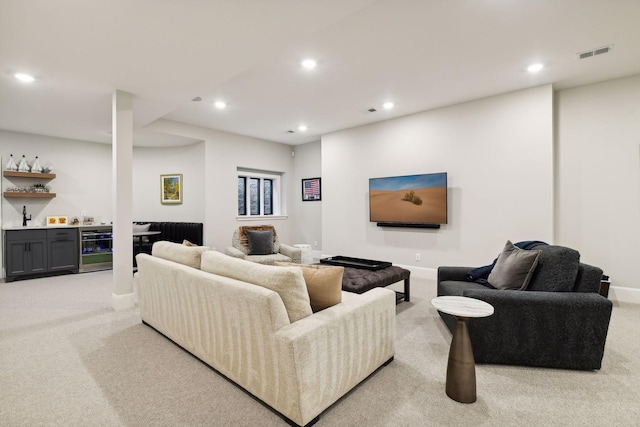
(53, 221)
(311, 190)
(171, 189)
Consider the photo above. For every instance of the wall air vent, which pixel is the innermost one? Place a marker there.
(594, 52)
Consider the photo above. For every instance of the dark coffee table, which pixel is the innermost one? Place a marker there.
(361, 275)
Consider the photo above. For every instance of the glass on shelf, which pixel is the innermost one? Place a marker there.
(37, 188)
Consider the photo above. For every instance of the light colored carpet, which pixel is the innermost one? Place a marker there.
(68, 359)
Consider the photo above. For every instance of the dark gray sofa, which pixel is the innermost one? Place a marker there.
(560, 321)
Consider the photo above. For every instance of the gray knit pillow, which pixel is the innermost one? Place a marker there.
(260, 242)
(514, 268)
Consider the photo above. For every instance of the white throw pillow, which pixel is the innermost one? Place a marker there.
(138, 228)
(288, 282)
(177, 252)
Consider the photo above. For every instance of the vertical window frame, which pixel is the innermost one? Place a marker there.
(275, 180)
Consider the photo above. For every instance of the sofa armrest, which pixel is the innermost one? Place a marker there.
(335, 349)
(292, 252)
(556, 329)
(237, 253)
(453, 273)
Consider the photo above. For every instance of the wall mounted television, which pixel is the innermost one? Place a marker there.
(418, 201)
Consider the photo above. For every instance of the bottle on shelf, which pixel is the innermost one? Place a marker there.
(11, 166)
(35, 167)
(24, 166)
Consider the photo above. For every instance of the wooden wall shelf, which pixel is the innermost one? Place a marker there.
(12, 174)
(17, 194)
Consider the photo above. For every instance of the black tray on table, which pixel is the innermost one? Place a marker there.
(367, 264)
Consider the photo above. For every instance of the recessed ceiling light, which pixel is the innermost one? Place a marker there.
(220, 105)
(24, 77)
(388, 105)
(309, 64)
(534, 68)
(302, 128)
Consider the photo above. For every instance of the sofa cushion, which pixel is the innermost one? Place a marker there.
(557, 269)
(260, 242)
(177, 252)
(514, 268)
(268, 259)
(324, 283)
(288, 282)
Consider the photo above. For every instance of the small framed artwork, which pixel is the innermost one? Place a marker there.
(53, 221)
(171, 189)
(311, 190)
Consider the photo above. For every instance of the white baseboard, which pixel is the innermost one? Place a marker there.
(621, 294)
(421, 272)
(123, 302)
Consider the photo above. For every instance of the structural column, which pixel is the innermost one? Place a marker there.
(122, 161)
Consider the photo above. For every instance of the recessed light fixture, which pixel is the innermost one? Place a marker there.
(220, 105)
(302, 128)
(534, 68)
(24, 77)
(309, 64)
(388, 105)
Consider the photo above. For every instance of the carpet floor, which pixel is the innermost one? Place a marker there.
(68, 359)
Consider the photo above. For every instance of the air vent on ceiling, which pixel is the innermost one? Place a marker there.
(372, 110)
(594, 52)
(291, 131)
(197, 99)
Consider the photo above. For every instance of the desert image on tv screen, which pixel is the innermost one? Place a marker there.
(410, 199)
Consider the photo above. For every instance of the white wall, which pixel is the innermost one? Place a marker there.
(83, 178)
(498, 153)
(150, 163)
(209, 168)
(306, 217)
(224, 153)
(598, 178)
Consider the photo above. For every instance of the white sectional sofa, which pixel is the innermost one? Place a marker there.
(266, 341)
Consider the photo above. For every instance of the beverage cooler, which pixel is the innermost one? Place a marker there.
(96, 248)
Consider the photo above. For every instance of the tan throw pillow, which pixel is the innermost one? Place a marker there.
(188, 243)
(514, 268)
(179, 253)
(286, 281)
(324, 284)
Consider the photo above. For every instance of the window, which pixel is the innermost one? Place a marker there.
(258, 193)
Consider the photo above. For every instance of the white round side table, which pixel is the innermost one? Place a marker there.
(461, 367)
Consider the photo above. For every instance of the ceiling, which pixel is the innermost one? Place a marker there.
(420, 54)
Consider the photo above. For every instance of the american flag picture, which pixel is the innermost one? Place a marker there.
(310, 189)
